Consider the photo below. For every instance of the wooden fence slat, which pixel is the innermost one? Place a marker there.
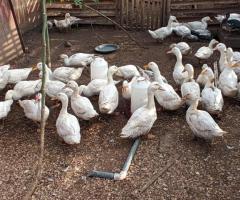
(148, 14)
(126, 12)
(152, 14)
(142, 14)
(122, 12)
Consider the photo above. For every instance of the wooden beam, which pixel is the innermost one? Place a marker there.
(17, 26)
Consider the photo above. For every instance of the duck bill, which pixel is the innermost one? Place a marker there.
(161, 89)
(34, 68)
(203, 71)
(64, 87)
(237, 64)
(145, 66)
(176, 20)
(54, 99)
(169, 52)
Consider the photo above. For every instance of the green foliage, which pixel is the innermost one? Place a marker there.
(78, 3)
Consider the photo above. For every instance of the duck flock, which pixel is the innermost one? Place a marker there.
(208, 89)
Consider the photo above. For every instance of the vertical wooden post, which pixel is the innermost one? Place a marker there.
(48, 49)
(164, 21)
(42, 128)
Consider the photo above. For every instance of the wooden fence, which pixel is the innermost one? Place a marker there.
(145, 14)
(187, 10)
(141, 14)
(10, 45)
(27, 13)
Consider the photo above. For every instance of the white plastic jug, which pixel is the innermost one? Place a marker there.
(99, 69)
(139, 93)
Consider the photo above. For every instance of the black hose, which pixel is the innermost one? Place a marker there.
(101, 174)
(122, 175)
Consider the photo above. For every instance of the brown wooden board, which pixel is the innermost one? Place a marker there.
(10, 45)
(28, 13)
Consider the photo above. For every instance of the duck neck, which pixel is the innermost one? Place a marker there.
(194, 105)
(49, 71)
(76, 91)
(157, 75)
(66, 61)
(151, 103)
(190, 74)
(169, 25)
(223, 57)
(47, 75)
(64, 106)
(211, 45)
(209, 84)
(110, 77)
(204, 22)
(179, 59)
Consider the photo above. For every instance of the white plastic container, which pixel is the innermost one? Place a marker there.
(139, 93)
(99, 69)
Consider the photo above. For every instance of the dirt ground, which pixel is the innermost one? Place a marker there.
(200, 171)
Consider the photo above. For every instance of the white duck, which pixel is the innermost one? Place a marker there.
(142, 120)
(23, 89)
(63, 74)
(236, 55)
(3, 68)
(167, 97)
(5, 107)
(93, 88)
(68, 127)
(223, 56)
(108, 97)
(178, 73)
(73, 20)
(201, 123)
(163, 32)
(205, 75)
(66, 74)
(211, 98)
(189, 86)
(127, 71)
(182, 31)
(81, 106)
(159, 75)
(53, 87)
(205, 52)
(63, 24)
(78, 59)
(183, 47)
(32, 108)
(196, 25)
(231, 60)
(3, 81)
(16, 75)
(220, 18)
(127, 88)
(49, 71)
(228, 81)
